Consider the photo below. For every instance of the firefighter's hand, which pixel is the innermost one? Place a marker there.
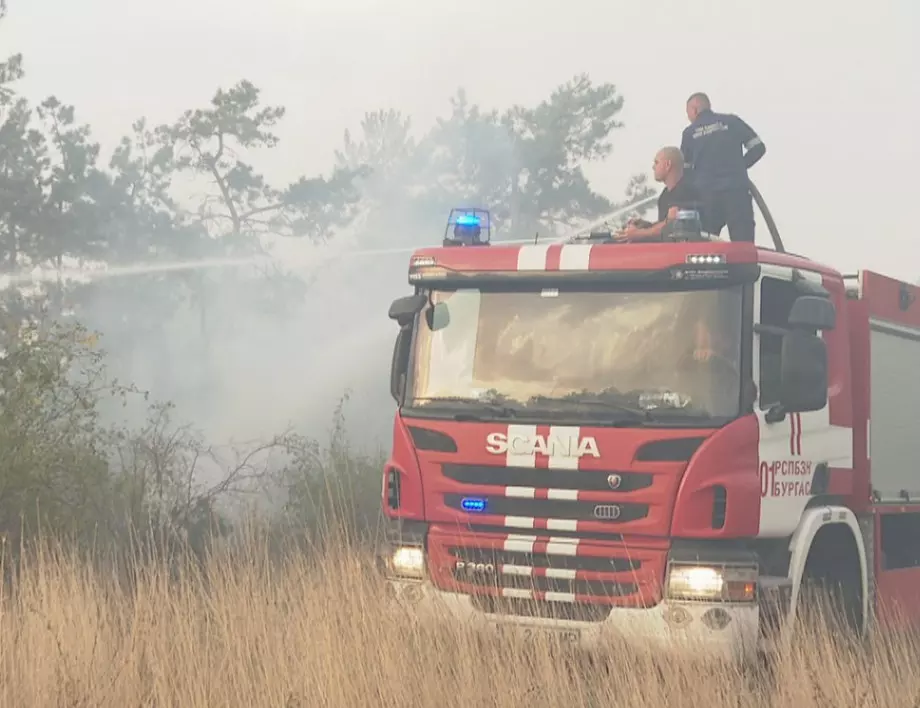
(628, 233)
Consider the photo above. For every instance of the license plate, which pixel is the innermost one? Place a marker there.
(528, 633)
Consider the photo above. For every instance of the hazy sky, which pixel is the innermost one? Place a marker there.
(833, 89)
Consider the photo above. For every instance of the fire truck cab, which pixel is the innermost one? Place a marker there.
(666, 442)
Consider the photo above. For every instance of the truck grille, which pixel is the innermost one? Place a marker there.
(544, 560)
(523, 571)
(581, 480)
(532, 576)
(600, 502)
(553, 509)
(543, 541)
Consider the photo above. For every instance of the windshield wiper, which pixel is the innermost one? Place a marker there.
(636, 414)
(485, 408)
(494, 410)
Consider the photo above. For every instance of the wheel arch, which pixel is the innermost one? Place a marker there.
(813, 521)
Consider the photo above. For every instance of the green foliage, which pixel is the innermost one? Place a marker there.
(328, 485)
(209, 142)
(65, 471)
(52, 447)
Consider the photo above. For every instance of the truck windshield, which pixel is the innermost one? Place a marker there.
(591, 354)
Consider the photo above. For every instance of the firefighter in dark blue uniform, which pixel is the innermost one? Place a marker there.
(718, 149)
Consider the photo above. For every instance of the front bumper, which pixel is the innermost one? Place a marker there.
(720, 631)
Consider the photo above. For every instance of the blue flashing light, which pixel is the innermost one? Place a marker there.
(468, 226)
(468, 220)
(473, 504)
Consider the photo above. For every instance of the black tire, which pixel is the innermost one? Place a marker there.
(828, 606)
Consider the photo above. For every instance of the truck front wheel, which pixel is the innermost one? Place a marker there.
(830, 592)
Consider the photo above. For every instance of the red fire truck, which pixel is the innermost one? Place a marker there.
(677, 442)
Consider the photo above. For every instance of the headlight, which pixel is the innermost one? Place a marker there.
(712, 583)
(407, 562)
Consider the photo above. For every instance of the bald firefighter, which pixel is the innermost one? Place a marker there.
(678, 192)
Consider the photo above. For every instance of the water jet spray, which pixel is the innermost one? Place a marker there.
(46, 275)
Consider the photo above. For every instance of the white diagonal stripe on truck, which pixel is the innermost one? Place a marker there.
(530, 522)
(516, 459)
(561, 525)
(530, 571)
(561, 573)
(519, 522)
(521, 492)
(559, 596)
(523, 570)
(562, 547)
(575, 257)
(531, 493)
(519, 544)
(555, 545)
(564, 436)
(533, 257)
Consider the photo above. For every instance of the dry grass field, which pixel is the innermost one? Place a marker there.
(310, 632)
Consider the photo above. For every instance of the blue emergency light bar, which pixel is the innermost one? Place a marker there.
(468, 227)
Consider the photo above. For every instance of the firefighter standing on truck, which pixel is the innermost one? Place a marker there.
(712, 147)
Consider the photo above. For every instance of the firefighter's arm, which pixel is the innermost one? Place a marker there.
(637, 233)
(685, 148)
(754, 148)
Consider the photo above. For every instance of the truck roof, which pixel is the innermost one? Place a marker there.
(566, 256)
(887, 299)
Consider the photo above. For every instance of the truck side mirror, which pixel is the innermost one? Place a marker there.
(437, 316)
(400, 364)
(812, 312)
(803, 373)
(404, 309)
